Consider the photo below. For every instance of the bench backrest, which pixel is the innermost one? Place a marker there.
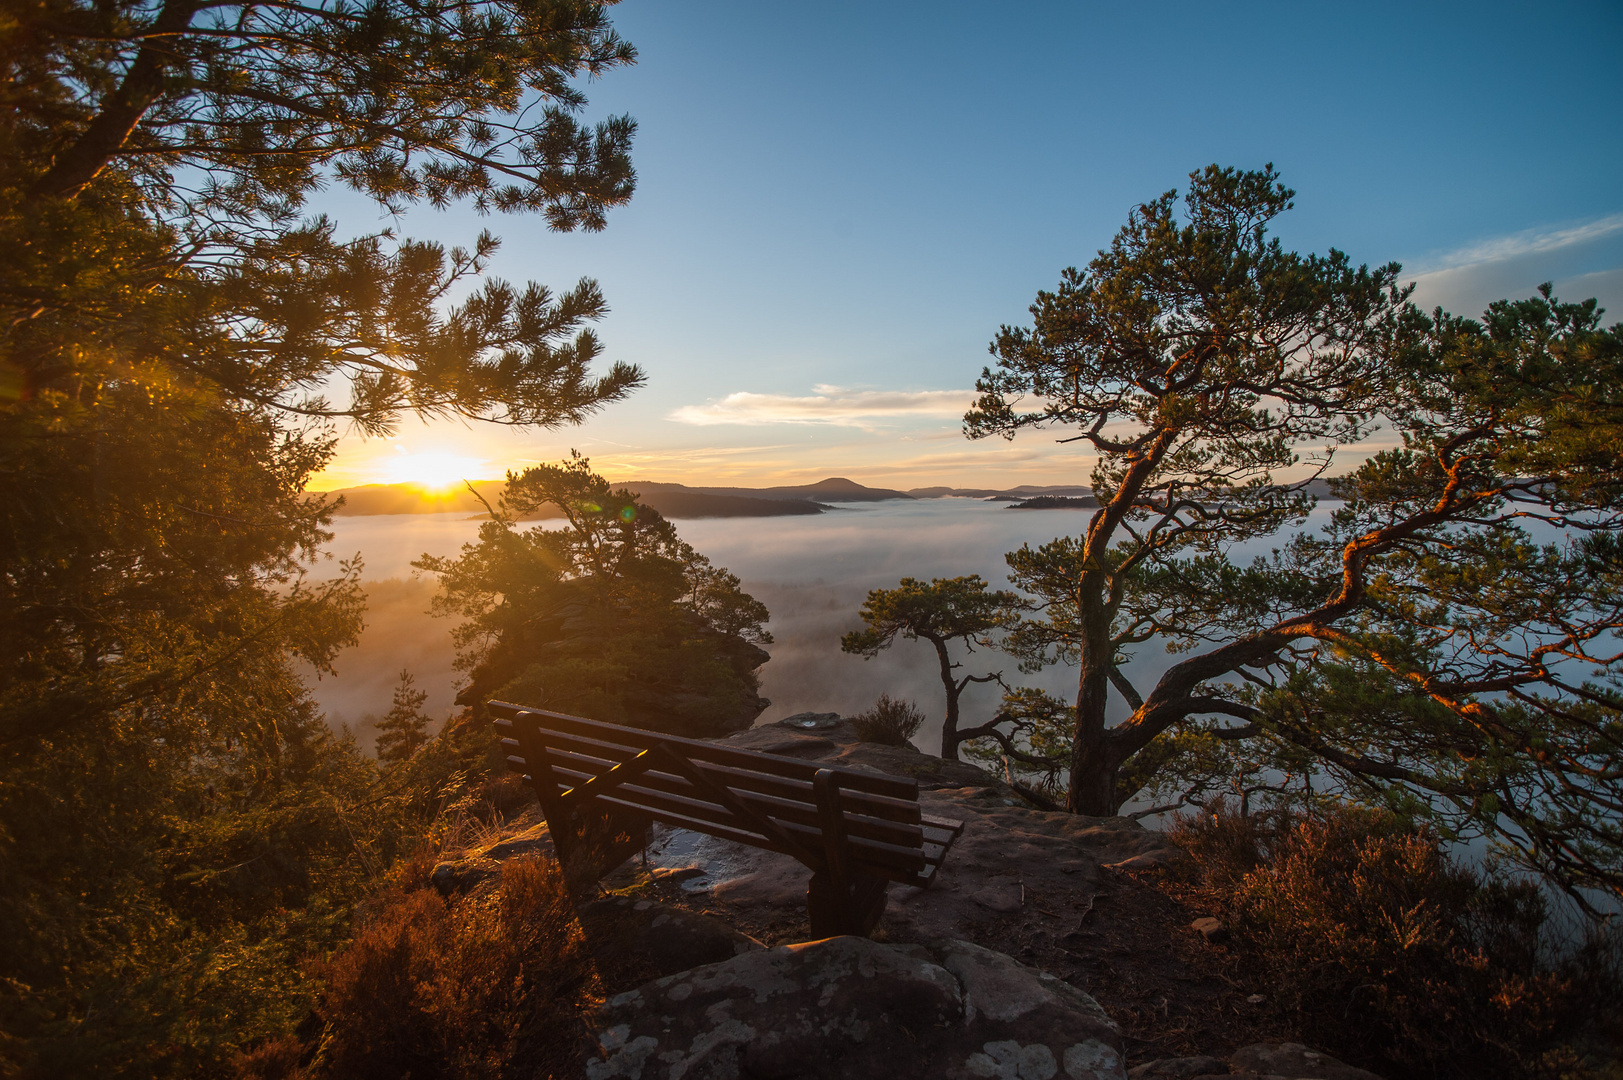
(813, 812)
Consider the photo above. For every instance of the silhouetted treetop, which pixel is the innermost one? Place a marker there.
(243, 109)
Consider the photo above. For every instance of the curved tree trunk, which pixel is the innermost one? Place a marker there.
(949, 726)
(1093, 766)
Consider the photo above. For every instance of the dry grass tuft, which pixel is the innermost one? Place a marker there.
(890, 721)
(1384, 951)
(488, 985)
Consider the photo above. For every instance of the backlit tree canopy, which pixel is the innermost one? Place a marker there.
(613, 616)
(1448, 643)
(179, 340)
(158, 159)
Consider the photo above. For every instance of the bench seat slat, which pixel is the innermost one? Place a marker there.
(859, 822)
(598, 755)
(604, 754)
(761, 800)
(703, 825)
(864, 849)
(869, 828)
(698, 750)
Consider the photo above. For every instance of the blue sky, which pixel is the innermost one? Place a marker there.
(838, 204)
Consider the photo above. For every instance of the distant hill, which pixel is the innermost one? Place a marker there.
(675, 501)
(672, 500)
(834, 489)
(1023, 491)
(686, 501)
(1055, 502)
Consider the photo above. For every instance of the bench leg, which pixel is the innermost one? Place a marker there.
(856, 912)
(592, 843)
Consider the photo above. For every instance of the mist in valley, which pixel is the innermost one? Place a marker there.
(812, 573)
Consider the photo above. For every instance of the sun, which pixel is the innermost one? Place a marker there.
(436, 470)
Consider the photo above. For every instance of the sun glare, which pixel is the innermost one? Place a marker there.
(434, 470)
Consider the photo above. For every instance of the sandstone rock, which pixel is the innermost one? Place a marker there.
(1293, 1061)
(997, 897)
(811, 721)
(1160, 859)
(668, 939)
(1209, 928)
(789, 741)
(858, 1009)
(1185, 1068)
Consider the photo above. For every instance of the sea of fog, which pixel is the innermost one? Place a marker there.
(812, 572)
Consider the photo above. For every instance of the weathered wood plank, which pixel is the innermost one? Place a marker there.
(698, 750)
(594, 754)
(855, 830)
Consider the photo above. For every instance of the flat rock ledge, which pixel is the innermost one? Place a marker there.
(860, 1010)
(1260, 1061)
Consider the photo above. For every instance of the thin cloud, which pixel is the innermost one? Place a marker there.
(1529, 242)
(829, 405)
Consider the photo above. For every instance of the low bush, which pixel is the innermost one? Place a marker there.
(1377, 946)
(890, 721)
(490, 985)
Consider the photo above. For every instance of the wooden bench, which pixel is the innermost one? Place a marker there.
(601, 786)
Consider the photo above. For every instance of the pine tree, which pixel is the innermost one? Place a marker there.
(179, 342)
(404, 728)
(1426, 646)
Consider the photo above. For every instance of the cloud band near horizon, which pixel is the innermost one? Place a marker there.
(831, 405)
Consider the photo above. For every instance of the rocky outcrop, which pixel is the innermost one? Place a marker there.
(857, 1009)
(1012, 860)
(626, 932)
(1046, 888)
(1260, 1061)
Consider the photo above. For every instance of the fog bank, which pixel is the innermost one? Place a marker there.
(811, 572)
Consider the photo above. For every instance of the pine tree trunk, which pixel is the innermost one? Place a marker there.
(949, 726)
(1093, 768)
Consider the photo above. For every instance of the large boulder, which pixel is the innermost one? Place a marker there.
(1293, 1061)
(627, 933)
(857, 1009)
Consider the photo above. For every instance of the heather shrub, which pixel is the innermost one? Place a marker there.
(487, 985)
(889, 721)
(1378, 946)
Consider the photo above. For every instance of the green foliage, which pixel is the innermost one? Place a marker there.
(401, 102)
(169, 921)
(612, 616)
(1423, 652)
(943, 611)
(1365, 934)
(177, 826)
(1195, 356)
(404, 728)
(1035, 750)
(890, 721)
